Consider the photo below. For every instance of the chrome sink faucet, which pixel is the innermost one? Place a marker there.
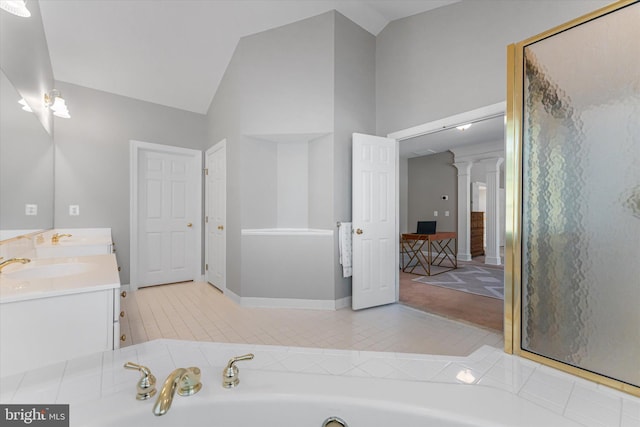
(56, 238)
(186, 381)
(3, 264)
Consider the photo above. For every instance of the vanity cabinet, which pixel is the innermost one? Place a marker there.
(44, 331)
(44, 321)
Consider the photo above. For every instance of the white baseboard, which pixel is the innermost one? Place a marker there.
(309, 304)
(343, 303)
(232, 296)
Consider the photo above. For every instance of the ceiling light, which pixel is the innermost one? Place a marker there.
(15, 7)
(464, 127)
(25, 106)
(54, 101)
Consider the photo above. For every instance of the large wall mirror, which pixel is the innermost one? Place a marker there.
(26, 168)
(576, 117)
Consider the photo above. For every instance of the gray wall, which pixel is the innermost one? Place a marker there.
(315, 76)
(403, 197)
(453, 59)
(430, 177)
(278, 82)
(92, 156)
(26, 165)
(354, 94)
(24, 57)
(24, 60)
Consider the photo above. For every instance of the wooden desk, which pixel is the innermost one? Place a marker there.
(441, 251)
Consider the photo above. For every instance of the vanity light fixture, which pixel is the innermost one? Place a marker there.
(15, 7)
(54, 101)
(25, 106)
(464, 127)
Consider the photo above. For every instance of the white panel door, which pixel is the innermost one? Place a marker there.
(167, 204)
(216, 215)
(375, 238)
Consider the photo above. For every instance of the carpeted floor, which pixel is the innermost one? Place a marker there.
(469, 308)
(488, 282)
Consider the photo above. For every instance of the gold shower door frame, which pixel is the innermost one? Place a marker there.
(514, 199)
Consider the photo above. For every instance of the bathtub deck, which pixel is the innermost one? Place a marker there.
(101, 376)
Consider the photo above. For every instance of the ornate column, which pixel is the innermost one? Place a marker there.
(464, 210)
(492, 252)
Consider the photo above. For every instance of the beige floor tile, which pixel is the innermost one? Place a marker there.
(197, 311)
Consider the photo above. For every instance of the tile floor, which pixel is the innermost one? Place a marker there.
(198, 311)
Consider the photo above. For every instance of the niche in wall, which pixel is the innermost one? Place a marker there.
(283, 185)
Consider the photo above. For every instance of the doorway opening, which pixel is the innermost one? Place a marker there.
(457, 294)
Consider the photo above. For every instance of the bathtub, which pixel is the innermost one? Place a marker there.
(286, 399)
(295, 386)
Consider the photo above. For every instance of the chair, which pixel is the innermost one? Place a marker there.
(426, 227)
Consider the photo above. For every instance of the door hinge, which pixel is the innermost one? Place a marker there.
(206, 171)
(206, 267)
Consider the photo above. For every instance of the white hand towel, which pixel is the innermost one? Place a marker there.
(344, 247)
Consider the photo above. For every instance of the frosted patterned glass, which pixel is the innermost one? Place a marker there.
(581, 196)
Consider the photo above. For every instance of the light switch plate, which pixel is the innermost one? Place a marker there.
(435, 213)
(74, 210)
(446, 213)
(31, 209)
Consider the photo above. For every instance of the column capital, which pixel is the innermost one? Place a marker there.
(493, 163)
(464, 168)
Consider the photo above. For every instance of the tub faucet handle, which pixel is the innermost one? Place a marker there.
(147, 385)
(230, 374)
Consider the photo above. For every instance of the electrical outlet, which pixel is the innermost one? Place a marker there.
(31, 209)
(74, 210)
(446, 213)
(435, 213)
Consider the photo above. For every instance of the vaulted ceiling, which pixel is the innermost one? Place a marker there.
(175, 52)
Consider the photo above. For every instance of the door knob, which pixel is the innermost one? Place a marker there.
(189, 225)
(220, 227)
(359, 231)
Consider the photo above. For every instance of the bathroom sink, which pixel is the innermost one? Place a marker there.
(46, 271)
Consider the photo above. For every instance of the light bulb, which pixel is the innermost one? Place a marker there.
(15, 7)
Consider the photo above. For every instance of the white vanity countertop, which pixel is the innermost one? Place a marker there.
(73, 275)
(79, 237)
